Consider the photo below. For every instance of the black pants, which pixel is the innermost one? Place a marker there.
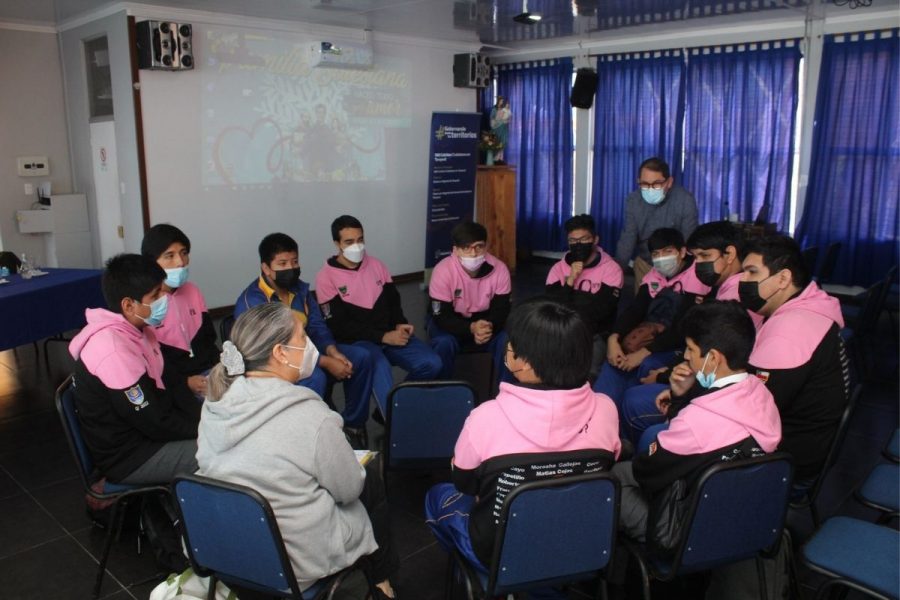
(384, 562)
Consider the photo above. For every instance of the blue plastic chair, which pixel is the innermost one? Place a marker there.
(855, 554)
(550, 532)
(231, 535)
(737, 512)
(892, 450)
(881, 491)
(117, 493)
(423, 422)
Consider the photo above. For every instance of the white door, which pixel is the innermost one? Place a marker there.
(106, 189)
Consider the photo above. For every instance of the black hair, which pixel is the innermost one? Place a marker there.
(554, 340)
(581, 222)
(725, 326)
(664, 237)
(159, 237)
(655, 164)
(276, 243)
(467, 233)
(343, 222)
(781, 252)
(717, 235)
(130, 276)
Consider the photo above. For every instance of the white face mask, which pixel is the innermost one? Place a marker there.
(355, 252)
(472, 263)
(309, 362)
(666, 265)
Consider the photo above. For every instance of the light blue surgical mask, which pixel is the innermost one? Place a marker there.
(706, 380)
(158, 309)
(176, 277)
(652, 196)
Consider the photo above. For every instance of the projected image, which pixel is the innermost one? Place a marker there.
(270, 117)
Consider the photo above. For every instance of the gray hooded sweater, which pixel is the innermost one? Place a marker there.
(284, 442)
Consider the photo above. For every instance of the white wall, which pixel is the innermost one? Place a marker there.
(32, 123)
(225, 225)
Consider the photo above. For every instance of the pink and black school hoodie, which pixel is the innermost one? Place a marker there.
(687, 289)
(594, 294)
(125, 410)
(529, 433)
(360, 304)
(738, 420)
(187, 335)
(458, 299)
(800, 356)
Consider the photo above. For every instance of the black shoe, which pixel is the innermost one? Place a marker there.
(358, 437)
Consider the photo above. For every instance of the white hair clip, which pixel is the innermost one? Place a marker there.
(232, 360)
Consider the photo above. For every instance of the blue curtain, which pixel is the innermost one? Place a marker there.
(540, 147)
(854, 189)
(638, 114)
(740, 112)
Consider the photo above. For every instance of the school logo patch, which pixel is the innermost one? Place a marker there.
(135, 395)
(379, 283)
(616, 292)
(326, 310)
(763, 376)
(343, 290)
(193, 312)
(435, 307)
(654, 285)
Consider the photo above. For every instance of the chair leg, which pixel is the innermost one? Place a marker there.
(449, 579)
(761, 574)
(645, 576)
(814, 511)
(107, 547)
(211, 591)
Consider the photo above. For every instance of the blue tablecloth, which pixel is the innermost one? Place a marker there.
(33, 309)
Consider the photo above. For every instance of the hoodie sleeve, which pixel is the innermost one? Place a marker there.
(154, 412)
(466, 463)
(337, 469)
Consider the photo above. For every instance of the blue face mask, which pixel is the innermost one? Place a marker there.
(706, 380)
(175, 278)
(158, 309)
(652, 196)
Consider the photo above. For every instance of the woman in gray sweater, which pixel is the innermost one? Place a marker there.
(260, 430)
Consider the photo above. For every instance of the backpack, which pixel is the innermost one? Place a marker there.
(159, 522)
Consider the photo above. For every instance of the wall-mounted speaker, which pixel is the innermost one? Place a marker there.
(584, 88)
(165, 45)
(471, 70)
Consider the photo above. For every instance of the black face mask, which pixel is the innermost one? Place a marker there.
(287, 279)
(748, 292)
(580, 252)
(706, 273)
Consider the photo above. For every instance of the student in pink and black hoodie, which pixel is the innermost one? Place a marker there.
(550, 414)
(799, 353)
(138, 429)
(717, 410)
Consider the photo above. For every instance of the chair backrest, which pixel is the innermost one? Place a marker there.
(225, 327)
(68, 414)
(738, 510)
(555, 531)
(230, 531)
(834, 450)
(423, 422)
(829, 262)
(873, 304)
(810, 257)
(10, 261)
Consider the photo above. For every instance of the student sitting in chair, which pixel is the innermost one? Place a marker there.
(589, 281)
(717, 411)
(469, 292)
(187, 335)
(646, 335)
(799, 353)
(279, 281)
(259, 429)
(362, 307)
(138, 429)
(549, 414)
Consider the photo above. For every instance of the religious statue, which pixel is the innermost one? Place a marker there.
(500, 116)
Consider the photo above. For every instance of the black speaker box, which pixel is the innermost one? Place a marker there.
(164, 45)
(471, 70)
(584, 88)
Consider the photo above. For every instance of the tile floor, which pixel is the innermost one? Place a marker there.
(49, 550)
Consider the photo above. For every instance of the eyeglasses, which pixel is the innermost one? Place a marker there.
(585, 239)
(656, 185)
(476, 248)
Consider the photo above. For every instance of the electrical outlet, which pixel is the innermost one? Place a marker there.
(29, 189)
(32, 166)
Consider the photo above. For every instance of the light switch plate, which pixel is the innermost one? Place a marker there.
(32, 166)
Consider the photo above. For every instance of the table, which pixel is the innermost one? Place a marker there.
(48, 305)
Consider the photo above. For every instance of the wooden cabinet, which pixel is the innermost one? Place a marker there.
(495, 208)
